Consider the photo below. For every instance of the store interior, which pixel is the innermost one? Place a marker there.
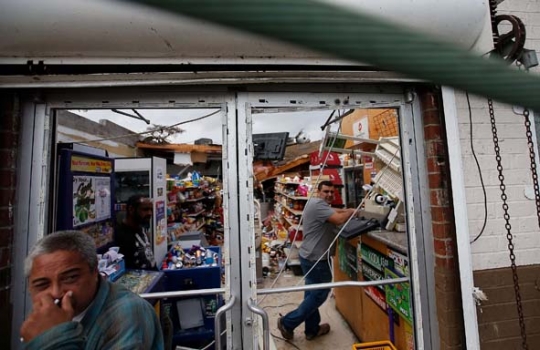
(176, 158)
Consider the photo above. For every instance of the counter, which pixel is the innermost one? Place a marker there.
(392, 239)
(375, 313)
(141, 281)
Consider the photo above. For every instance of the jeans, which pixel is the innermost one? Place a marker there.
(308, 310)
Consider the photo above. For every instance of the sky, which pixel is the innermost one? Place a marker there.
(292, 122)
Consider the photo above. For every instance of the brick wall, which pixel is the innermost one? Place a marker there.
(447, 286)
(498, 318)
(9, 136)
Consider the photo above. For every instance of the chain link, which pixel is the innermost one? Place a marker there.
(507, 225)
(532, 157)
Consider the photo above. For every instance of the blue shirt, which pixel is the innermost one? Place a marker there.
(116, 319)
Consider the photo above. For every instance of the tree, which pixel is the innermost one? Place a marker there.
(160, 134)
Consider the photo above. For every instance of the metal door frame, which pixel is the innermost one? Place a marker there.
(33, 179)
(34, 169)
(31, 198)
(418, 218)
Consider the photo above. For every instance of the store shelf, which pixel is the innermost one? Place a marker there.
(298, 227)
(295, 212)
(292, 197)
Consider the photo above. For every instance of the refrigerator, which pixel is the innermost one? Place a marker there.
(85, 192)
(145, 176)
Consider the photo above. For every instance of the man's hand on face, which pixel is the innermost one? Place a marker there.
(46, 315)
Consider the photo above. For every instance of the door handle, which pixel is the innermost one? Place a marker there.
(217, 318)
(266, 325)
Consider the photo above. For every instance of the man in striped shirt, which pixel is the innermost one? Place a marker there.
(75, 308)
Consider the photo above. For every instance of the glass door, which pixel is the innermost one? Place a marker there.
(258, 130)
(197, 209)
(293, 141)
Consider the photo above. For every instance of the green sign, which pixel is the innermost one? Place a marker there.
(398, 296)
(371, 274)
(347, 259)
(375, 259)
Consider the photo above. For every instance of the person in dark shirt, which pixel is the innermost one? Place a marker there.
(132, 235)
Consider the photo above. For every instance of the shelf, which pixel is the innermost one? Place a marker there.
(293, 197)
(298, 227)
(295, 212)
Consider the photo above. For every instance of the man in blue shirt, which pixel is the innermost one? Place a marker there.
(74, 308)
(321, 222)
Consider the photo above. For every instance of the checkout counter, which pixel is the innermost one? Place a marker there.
(382, 312)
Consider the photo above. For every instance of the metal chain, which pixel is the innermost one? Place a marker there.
(508, 227)
(532, 156)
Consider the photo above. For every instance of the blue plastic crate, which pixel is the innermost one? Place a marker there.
(202, 277)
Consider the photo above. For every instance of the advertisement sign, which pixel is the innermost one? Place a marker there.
(103, 198)
(332, 158)
(347, 259)
(377, 296)
(401, 262)
(90, 165)
(161, 220)
(361, 128)
(102, 232)
(371, 274)
(84, 200)
(159, 183)
(398, 297)
(375, 259)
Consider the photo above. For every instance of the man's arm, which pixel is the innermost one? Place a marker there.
(66, 336)
(132, 325)
(49, 326)
(340, 216)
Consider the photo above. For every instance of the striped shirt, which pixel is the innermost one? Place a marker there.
(116, 319)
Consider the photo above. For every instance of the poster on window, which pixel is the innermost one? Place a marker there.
(161, 223)
(361, 129)
(84, 200)
(103, 198)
